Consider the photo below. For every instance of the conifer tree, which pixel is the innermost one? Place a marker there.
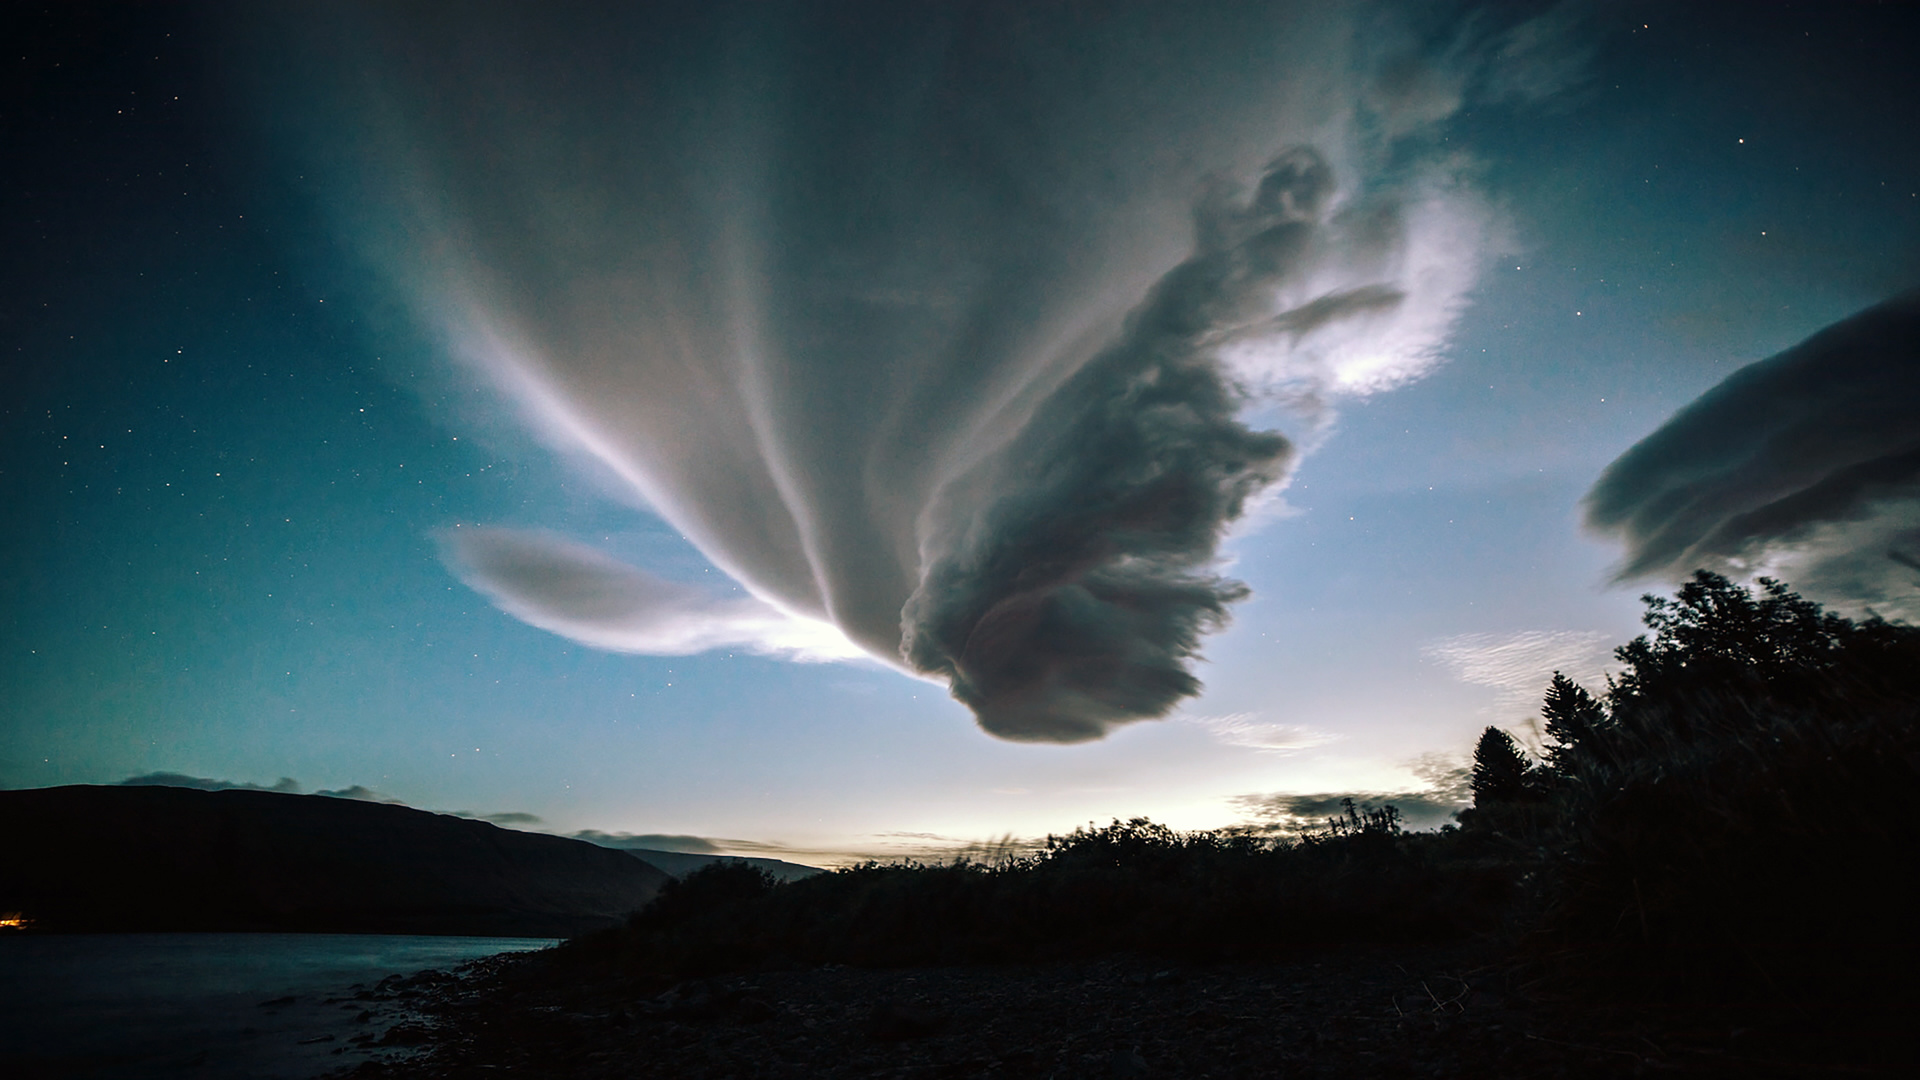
(1574, 721)
(1501, 771)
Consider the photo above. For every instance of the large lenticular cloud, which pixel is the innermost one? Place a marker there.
(935, 327)
(1804, 466)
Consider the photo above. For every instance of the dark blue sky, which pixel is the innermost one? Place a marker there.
(237, 430)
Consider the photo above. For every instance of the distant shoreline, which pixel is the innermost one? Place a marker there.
(216, 1006)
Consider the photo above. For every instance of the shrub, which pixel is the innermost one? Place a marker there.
(1132, 886)
(1732, 824)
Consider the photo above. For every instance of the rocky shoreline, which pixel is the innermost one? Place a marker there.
(1372, 1012)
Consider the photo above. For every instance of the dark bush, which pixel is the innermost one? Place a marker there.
(1130, 886)
(713, 885)
(1734, 823)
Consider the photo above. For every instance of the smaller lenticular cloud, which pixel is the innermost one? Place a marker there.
(679, 842)
(1804, 466)
(1519, 666)
(362, 793)
(286, 785)
(504, 817)
(577, 592)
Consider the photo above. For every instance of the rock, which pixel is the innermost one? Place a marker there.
(1056, 1019)
(407, 1035)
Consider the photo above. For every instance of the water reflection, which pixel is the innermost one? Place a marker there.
(164, 1006)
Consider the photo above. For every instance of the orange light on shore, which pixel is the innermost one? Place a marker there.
(14, 920)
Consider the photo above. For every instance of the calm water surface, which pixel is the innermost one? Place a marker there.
(171, 1006)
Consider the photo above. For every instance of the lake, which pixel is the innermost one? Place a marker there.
(214, 1006)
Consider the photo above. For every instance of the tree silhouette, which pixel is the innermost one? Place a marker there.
(1501, 771)
(1574, 724)
(1717, 633)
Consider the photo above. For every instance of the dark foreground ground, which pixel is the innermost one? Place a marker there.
(1354, 1012)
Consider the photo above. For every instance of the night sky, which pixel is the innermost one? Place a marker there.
(842, 430)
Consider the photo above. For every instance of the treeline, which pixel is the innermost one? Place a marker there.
(1730, 817)
(1733, 817)
(1129, 886)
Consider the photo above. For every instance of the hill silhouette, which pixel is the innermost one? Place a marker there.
(88, 858)
(679, 864)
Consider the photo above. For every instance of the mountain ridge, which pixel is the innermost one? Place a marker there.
(93, 858)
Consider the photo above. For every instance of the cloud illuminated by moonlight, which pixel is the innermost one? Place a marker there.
(1804, 466)
(1519, 666)
(936, 327)
(576, 592)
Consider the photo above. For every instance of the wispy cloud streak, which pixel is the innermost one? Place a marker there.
(575, 591)
(1518, 666)
(1248, 730)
